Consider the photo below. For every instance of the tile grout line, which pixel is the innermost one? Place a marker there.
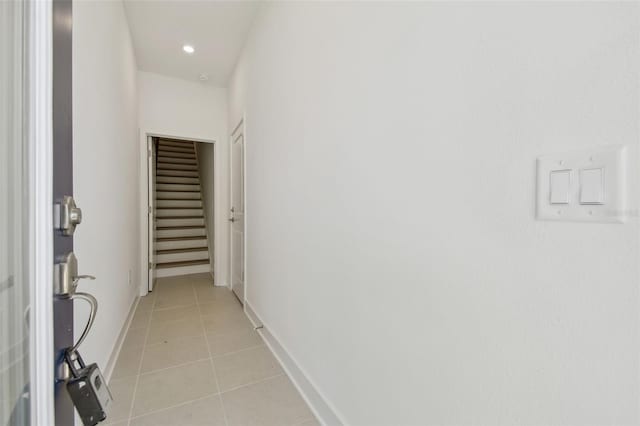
(238, 351)
(148, 413)
(255, 382)
(184, 364)
(213, 366)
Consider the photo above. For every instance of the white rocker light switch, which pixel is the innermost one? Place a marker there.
(592, 186)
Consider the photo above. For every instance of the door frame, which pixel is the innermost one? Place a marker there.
(241, 125)
(151, 214)
(144, 199)
(39, 96)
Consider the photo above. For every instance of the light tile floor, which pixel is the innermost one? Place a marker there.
(191, 357)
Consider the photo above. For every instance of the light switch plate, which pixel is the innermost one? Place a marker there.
(605, 207)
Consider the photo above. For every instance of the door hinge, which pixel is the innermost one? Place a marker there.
(150, 265)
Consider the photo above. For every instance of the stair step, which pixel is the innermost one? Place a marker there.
(176, 160)
(185, 173)
(179, 221)
(177, 195)
(161, 228)
(179, 204)
(180, 233)
(177, 179)
(183, 263)
(181, 255)
(163, 212)
(184, 250)
(172, 166)
(168, 148)
(179, 239)
(173, 154)
(177, 187)
(179, 144)
(184, 270)
(180, 243)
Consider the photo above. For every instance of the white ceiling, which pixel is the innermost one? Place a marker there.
(217, 30)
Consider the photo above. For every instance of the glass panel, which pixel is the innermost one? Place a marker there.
(14, 283)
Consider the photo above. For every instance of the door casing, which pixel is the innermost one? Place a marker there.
(40, 159)
(146, 233)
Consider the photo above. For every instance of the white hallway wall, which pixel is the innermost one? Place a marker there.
(206, 168)
(190, 110)
(392, 244)
(105, 162)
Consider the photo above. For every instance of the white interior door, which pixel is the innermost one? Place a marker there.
(236, 218)
(151, 158)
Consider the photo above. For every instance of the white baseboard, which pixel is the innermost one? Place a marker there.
(322, 409)
(108, 370)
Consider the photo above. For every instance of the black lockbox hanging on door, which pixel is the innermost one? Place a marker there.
(88, 390)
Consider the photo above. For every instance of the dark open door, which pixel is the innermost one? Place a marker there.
(62, 186)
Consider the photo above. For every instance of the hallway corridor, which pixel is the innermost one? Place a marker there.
(191, 357)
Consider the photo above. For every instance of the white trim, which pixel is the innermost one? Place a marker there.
(143, 187)
(115, 353)
(324, 411)
(40, 91)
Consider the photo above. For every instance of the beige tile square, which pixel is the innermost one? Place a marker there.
(221, 344)
(175, 298)
(140, 319)
(208, 292)
(167, 331)
(244, 367)
(134, 338)
(174, 352)
(273, 402)
(226, 323)
(122, 392)
(175, 314)
(173, 386)
(216, 307)
(207, 411)
(146, 302)
(128, 363)
(201, 280)
(168, 282)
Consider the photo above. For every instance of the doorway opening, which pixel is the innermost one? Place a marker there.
(181, 214)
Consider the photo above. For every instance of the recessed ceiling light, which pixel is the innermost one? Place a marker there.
(188, 49)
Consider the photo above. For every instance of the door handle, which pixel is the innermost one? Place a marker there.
(232, 219)
(93, 304)
(66, 276)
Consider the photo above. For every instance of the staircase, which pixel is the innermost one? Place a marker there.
(181, 236)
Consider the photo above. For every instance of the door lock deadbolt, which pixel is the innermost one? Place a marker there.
(66, 215)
